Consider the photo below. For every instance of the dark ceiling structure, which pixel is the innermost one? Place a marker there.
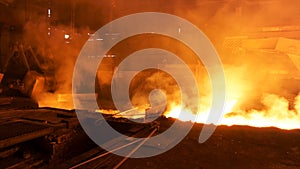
(94, 13)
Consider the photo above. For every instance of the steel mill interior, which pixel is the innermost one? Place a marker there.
(56, 112)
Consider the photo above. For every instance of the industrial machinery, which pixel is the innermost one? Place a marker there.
(273, 54)
(21, 72)
(35, 137)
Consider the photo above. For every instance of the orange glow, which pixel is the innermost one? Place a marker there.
(277, 114)
(61, 101)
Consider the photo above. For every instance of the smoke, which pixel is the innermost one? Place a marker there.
(274, 107)
(297, 104)
(57, 49)
(250, 71)
(148, 80)
(277, 112)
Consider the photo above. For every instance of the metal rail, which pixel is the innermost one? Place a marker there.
(116, 149)
(135, 149)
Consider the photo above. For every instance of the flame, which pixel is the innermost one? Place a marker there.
(277, 114)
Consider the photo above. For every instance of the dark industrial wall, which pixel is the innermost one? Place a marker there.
(4, 44)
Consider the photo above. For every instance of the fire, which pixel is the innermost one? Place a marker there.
(276, 114)
(188, 115)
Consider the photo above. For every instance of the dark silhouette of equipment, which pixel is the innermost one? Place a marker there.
(23, 74)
